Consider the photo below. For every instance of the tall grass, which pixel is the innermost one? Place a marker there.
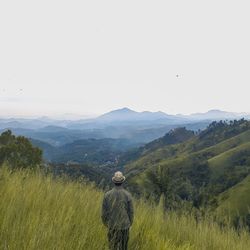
(40, 212)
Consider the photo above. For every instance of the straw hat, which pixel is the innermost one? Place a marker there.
(118, 177)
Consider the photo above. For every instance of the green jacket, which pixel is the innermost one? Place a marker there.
(117, 209)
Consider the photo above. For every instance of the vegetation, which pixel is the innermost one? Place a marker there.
(174, 136)
(191, 189)
(18, 152)
(58, 132)
(87, 151)
(234, 203)
(99, 175)
(192, 174)
(43, 212)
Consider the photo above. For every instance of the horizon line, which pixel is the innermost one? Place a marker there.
(88, 115)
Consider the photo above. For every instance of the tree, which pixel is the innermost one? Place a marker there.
(18, 152)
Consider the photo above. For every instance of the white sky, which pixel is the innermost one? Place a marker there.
(94, 56)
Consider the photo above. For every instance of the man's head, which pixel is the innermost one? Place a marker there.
(118, 178)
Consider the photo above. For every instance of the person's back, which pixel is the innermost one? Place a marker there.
(117, 213)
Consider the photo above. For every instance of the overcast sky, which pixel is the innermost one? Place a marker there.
(89, 57)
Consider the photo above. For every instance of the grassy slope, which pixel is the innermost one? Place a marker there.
(221, 158)
(38, 212)
(163, 155)
(224, 161)
(216, 155)
(235, 201)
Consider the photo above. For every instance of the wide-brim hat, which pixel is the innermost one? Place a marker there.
(118, 177)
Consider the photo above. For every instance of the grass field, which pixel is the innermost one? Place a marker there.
(41, 212)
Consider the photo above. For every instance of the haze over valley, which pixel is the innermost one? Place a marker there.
(118, 130)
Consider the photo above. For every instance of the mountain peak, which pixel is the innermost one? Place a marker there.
(214, 114)
(125, 109)
(126, 114)
(216, 111)
(118, 115)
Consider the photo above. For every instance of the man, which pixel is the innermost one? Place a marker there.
(118, 213)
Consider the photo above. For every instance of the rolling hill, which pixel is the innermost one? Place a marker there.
(234, 204)
(197, 170)
(215, 140)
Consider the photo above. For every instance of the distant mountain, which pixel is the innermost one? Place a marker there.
(215, 115)
(53, 129)
(143, 120)
(57, 136)
(120, 118)
(126, 114)
(129, 119)
(138, 127)
(24, 123)
(120, 114)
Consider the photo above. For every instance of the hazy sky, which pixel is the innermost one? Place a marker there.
(93, 56)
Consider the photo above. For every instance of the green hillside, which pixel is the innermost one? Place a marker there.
(234, 204)
(237, 156)
(163, 154)
(41, 212)
(196, 171)
(173, 137)
(180, 154)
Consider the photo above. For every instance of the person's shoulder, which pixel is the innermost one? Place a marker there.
(108, 193)
(127, 194)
